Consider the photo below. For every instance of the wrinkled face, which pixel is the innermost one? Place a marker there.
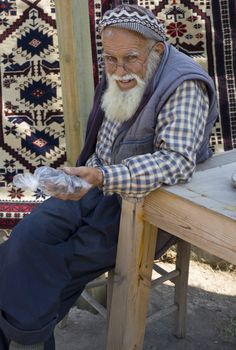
(125, 52)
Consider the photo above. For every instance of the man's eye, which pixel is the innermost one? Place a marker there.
(131, 59)
(109, 59)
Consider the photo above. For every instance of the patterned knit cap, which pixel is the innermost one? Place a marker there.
(135, 18)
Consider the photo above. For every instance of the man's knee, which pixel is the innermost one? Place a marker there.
(51, 222)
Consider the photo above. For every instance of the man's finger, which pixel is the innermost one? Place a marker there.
(71, 170)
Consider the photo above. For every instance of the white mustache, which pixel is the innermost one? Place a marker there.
(126, 77)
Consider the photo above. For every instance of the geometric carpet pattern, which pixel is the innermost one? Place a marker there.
(204, 30)
(32, 124)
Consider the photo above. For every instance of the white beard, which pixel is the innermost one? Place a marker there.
(121, 105)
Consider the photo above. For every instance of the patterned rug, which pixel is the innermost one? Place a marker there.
(32, 124)
(32, 127)
(204, 30)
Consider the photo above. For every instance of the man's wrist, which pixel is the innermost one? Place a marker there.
(100, 178)
(116, 179)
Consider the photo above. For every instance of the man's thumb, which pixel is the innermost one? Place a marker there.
(71, 170)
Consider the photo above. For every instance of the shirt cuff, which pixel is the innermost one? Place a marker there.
(116, 179)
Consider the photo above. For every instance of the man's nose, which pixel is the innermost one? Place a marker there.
(120, 70)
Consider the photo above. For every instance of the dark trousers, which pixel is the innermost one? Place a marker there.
(49, 258)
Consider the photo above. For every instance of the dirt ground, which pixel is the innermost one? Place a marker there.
(211, 315)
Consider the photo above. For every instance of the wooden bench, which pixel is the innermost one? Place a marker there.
(202, 213)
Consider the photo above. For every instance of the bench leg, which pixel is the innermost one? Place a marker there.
(132, 280)
(110, 282)
(181, 287)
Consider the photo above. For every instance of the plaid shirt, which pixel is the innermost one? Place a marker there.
(178, 135)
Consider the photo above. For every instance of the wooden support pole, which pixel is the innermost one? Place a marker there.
(76, 70)
(110, 283)
(181, 287)
(132, 280)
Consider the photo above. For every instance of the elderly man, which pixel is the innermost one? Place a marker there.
(150, 123)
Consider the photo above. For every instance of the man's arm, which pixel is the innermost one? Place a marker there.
(179, 133)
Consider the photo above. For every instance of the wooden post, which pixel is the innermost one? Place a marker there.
(132, 280)
(76, 70)
(181, 287)
(110, 282)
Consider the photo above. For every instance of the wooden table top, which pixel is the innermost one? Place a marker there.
(211, 185)
(201, 212)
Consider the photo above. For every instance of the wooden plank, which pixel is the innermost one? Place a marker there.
(181, 287)
(195, 224)
(94, 303)
(132, 280)
(162, 313)
(76, 70)
(110, 283)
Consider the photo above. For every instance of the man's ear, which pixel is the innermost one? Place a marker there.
(159, 47)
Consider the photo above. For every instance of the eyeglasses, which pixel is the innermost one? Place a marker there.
(131, 62)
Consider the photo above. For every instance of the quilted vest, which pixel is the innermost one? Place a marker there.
(137, 134)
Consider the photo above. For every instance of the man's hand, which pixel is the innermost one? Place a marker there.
(93, 176)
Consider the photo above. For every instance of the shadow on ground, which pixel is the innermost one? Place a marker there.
(209, 324)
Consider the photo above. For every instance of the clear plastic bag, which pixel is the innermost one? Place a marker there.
(51, 181)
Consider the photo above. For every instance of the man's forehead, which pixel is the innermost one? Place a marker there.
(122, 38)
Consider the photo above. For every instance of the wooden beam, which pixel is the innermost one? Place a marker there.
(193, 223)
(132, 280)
(76, 70)
(181, 287)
